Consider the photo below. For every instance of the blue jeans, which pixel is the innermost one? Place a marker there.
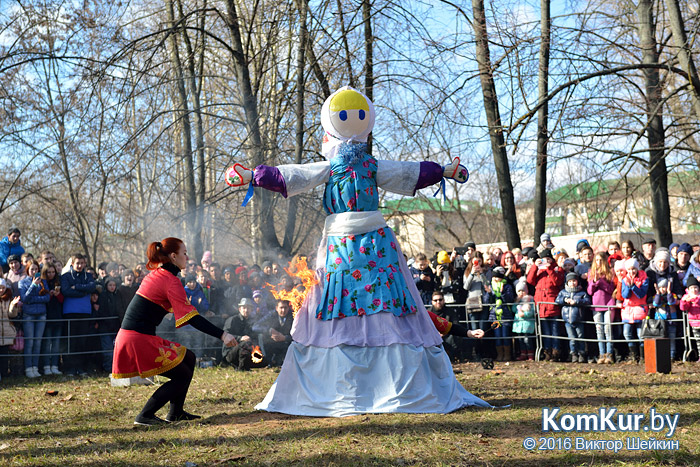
(549, 328)
(107, 344)
(630, 330)
(575, 332)
(525, 341)
(50, 345)
(33, 327)
(603, 331)
(503, 334)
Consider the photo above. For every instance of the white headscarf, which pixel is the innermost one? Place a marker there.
(332, 137)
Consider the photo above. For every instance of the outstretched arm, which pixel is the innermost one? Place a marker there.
(405, 178)
(288, 180)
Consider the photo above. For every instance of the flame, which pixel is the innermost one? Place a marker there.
(256, 354)
(297, 268)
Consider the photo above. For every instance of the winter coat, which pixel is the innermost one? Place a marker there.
(76, 288)
(7, 330)
(198, 298)
(602, 293)
(665, 306)
(110, 306)
(691, 305)
(693, 268)
(34, 296)
(426, 288)
(547, 282)
(669, 274)
(506, 295)
(54, 309)
(526, 324)
(476, 293)
(634, 306)
(8, 248)
(573, 313)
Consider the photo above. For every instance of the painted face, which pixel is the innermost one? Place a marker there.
(349, 112)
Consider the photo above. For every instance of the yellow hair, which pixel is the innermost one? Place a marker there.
(349, 99)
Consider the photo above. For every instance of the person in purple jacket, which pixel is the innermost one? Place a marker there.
(601, 288)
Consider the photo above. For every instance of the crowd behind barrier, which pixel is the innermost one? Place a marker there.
(533, 304)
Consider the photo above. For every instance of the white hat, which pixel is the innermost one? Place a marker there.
(3, 282)
(631, 263)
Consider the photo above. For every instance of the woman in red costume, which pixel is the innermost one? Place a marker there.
(138, 351)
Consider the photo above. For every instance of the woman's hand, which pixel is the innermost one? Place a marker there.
(229, 340)
(476, 334)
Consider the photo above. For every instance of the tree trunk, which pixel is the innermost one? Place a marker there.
(346, 47)
(498, 146)
(369, 59)
(542, 124)
(262, 220)
(684, 54)
(182, 121)
(195, 91)
(658, 181)
(293, 203)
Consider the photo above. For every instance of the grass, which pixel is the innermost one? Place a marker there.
(90, 423)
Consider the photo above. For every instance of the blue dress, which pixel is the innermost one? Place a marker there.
(362, 271)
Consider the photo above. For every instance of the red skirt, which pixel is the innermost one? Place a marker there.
(137, 354)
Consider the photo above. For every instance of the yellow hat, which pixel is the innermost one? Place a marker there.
(443, 257)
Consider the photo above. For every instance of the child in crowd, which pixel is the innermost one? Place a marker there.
(477, 286)
(524, 321)
(548, 280)
(601, 288)
(424, 277)
(502, 296)
(8, 310)
(108, 324)
(690, 303)
(573, 299)
(665, 307)
(633, 289)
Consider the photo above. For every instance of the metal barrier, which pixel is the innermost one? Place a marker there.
(685, 334)
(202, 343)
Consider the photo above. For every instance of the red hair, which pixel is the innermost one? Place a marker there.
(158, 252)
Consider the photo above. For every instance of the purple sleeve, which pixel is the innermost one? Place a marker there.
(270, 178)
(430, 174)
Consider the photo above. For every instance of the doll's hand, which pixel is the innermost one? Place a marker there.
(476, 334)
(238, 175)
(456, 171)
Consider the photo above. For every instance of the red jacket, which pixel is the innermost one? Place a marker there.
(547, 282)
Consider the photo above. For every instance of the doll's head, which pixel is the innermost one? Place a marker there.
(347, 115)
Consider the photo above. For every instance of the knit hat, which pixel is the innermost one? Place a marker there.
(571, 276)
(266, 264)
(545, 237)
(631, 263)
(443, 257)
(619, 265)
(521, 285)
(3, 282)
(691, 281)
(662, 254)
(532, 254)
(257, 293)
(111, 266)
(686, 248)
(570, 261)
(663, 282)
(240, 269)
(673, 245)
(614, 257)
(470, 244)
(498, 272)
(546, 253)
(206, 257)
(581, 243)
(188, 278)
(12, 258)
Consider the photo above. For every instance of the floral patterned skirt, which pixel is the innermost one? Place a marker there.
(363, 277)
(137, 354)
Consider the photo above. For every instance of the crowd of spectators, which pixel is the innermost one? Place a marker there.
(591, 304)
(64, 318)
